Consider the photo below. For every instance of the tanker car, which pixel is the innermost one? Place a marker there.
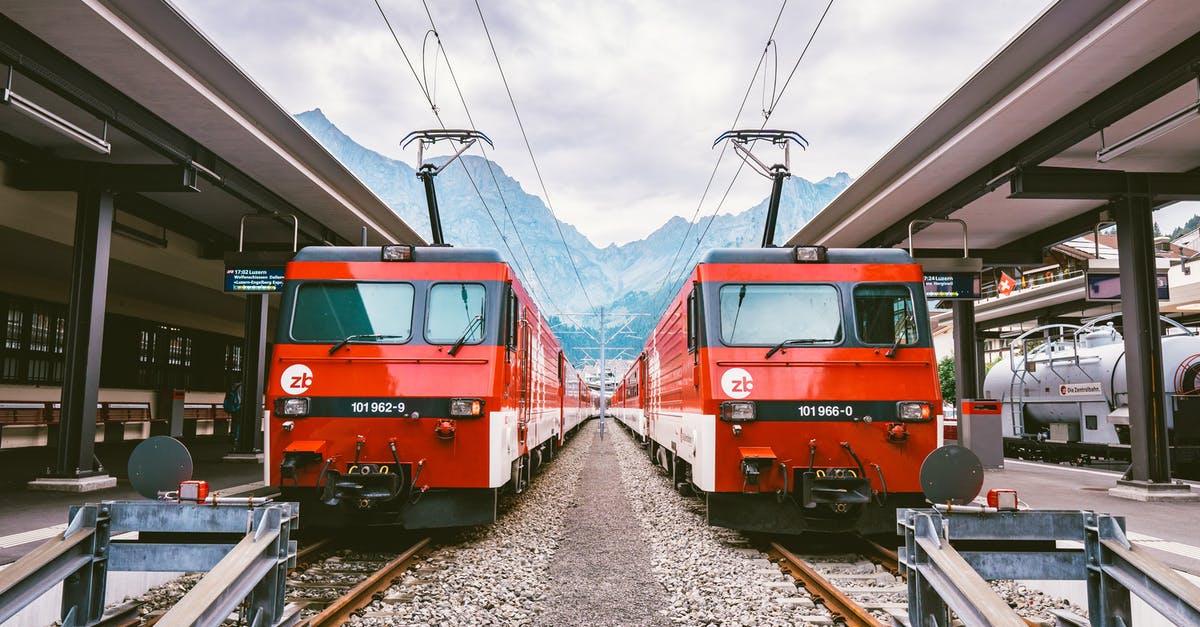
(1064, 395)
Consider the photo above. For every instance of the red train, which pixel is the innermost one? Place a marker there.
(408, 386)
(796, 389)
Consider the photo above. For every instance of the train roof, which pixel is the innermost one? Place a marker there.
(785, 255)
(420, 253)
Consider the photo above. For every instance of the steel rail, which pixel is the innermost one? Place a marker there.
(820, 588)
(359, 596)
(882, 555)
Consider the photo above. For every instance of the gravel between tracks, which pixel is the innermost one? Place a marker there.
(711, 576)
(496, 575)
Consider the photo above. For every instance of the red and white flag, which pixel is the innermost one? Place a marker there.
(1005, 285)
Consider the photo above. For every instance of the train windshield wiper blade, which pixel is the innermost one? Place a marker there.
(477, 319)
(796, 341)
(362, 336)
(900, 335)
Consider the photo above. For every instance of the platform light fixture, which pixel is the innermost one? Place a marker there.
(1148, 134)
(54, 121)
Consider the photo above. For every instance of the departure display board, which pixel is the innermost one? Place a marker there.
(952, 286)
(1106, 286)
(243, 280)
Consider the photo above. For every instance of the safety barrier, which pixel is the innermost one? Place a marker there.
(940, 578)
(254, 569)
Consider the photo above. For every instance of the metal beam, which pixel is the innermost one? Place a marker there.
(50, 68)
(1024, 254)
(1088, 184)
(1157, 78)
(1143, 343)
(85, 334)
(212, 241)
(69, 175)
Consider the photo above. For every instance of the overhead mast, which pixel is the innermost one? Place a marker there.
(778, 172)
(426, 171)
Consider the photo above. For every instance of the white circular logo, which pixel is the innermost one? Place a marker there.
(737, 383)
(296, 379)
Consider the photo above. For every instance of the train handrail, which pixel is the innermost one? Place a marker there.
(1090, 324)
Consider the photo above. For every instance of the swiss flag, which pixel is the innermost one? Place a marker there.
(1005, 285)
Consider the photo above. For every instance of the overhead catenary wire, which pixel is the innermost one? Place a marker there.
(529, 148)
(437, 114)
(667, 280)
(766, 118)
(541, 285)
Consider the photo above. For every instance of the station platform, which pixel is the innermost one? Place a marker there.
(1169, 530)
(29, 517)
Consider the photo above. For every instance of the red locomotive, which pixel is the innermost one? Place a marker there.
(795, 388)
(408, 386)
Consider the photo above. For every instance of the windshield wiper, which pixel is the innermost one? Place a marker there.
(796, 341)
(900, 335)
(363, 336)
(477, 319)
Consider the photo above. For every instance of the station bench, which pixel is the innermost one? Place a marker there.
(25, 424)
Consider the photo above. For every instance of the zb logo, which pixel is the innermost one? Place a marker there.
(296, 379)
(737, 383)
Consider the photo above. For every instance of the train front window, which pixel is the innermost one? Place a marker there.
(885, 315)
(333, 311)
(455, 313)
(760, 314)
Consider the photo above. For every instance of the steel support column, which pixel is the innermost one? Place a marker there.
(85, 334)
(1143, 342)
(254, 363)
(966, 352)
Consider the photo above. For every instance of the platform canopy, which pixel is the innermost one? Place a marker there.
(1036, 145)
(141, 87)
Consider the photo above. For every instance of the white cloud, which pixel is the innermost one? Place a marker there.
(621, 100)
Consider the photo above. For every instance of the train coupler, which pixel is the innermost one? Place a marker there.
(837, 487)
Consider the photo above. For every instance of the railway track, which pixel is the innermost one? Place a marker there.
(330, 589)
(861, 587)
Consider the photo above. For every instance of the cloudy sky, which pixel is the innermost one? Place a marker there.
(621, 99)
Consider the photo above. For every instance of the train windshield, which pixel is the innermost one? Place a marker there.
(333, 311)
(455, 313)
(884, 314)
(757, 314)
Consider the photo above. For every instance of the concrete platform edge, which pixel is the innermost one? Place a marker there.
(85, 484)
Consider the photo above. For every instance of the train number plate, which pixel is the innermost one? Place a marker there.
(824, 411)
(370, 469)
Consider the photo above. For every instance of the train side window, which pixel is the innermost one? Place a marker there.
(884, 314)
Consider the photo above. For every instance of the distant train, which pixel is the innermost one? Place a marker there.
(1064, 395)
(796, 389)
(409, 386)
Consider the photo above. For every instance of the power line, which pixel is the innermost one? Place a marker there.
(437, 114)
(529, 148)
(721, 155)
(766, 117)
(541, 285)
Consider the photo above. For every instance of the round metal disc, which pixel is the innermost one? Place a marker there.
(951, 474)
(159, 464)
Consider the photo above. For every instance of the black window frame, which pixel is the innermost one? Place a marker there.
(912, 302)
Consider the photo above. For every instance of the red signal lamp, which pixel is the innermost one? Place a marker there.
(1003, 499)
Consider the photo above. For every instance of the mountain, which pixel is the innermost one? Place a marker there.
(630, 278)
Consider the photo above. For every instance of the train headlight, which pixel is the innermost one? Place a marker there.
(737, 411)
(397, 252)
(914, 411)
(466, 407)
(809, 254)
(296, 406)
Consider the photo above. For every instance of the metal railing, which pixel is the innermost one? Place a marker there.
(253, 570)
(942, 579)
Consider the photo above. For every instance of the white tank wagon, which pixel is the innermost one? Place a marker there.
(1065, 396)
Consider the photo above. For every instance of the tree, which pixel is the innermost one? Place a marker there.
(946, 372)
